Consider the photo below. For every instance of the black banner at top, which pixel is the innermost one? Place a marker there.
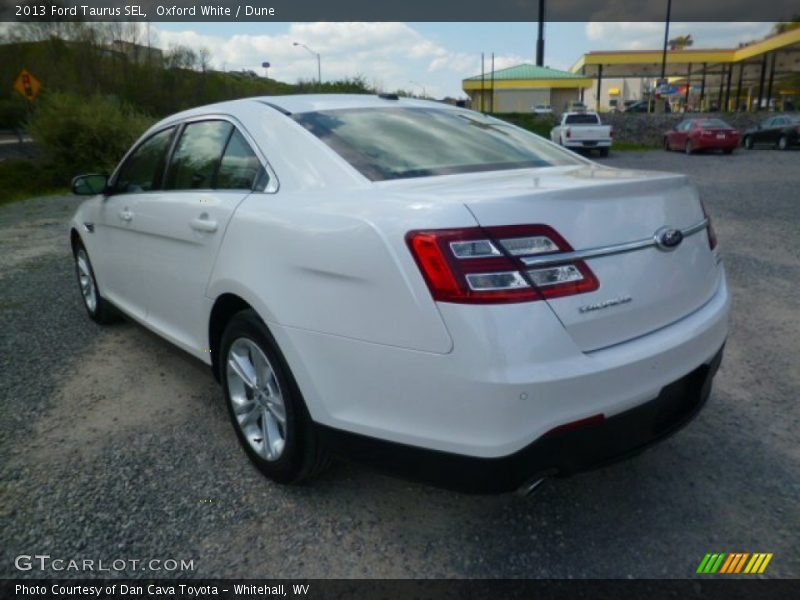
(396, 10)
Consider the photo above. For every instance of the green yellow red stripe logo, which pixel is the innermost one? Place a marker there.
(734, 562)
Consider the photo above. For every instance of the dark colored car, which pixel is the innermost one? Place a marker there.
(643, 106)
(782, 131)
(694, 135)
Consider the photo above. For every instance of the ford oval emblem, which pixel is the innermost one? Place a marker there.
(668, 239)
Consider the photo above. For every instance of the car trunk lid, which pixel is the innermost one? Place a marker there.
(640, 290)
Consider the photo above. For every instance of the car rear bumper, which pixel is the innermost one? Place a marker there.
(713, 144)
(557, 453)
(513, 375)
(587, 144)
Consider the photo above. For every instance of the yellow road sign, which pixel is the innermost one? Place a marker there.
(27, 85)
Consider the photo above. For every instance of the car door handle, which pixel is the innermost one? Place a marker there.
(203, 224)
(126, 215)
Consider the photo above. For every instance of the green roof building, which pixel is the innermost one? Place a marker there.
(519, 88)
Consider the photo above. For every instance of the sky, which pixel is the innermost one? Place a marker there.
(429, 58)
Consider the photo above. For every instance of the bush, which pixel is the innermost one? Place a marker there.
(12, 113)
(84, 134)
(539, 124)
(25, 178)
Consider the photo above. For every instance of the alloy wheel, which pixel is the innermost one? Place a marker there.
(256, 398)
(86, 281)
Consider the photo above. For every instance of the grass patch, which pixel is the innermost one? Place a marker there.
(21, 179)
(538, 124)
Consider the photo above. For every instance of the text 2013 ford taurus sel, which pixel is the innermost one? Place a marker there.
(412, 284)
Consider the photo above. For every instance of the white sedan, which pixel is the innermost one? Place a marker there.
(411, 284)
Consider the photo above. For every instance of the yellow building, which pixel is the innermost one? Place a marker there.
(519, 88)
(751, 77)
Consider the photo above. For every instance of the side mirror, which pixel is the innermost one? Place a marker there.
(89, 185)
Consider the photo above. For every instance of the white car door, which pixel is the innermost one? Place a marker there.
(117, 257)
(211, 170)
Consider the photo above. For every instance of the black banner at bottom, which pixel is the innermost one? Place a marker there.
(418, 589)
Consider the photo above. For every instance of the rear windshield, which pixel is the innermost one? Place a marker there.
(397, 143)
(713, 124)
(582, 120)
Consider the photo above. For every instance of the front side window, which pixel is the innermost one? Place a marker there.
(197, 155)
(396, 143)
(143, 170)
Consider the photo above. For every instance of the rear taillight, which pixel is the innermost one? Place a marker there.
(712, 235)
(483, 265)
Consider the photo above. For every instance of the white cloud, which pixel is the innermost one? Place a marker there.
(650, 36)
(389, 55)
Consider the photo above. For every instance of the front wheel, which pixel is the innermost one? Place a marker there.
(783, 143)
(98, 308)
(689, 147)
(265, 405)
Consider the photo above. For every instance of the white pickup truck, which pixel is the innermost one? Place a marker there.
(582, 130)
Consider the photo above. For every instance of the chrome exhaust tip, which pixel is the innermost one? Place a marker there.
(526, 490)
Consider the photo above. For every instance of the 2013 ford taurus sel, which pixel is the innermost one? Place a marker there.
(412, 284)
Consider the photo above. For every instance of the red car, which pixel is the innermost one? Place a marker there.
(693, 135)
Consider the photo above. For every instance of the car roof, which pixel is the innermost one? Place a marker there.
(303, 103)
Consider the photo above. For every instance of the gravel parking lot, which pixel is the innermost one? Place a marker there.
(113, 444)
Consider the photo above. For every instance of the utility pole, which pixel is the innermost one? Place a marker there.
(666, 41)
(659, 106)
(540, 39)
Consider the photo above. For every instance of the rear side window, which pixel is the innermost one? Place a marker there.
(143, 170)
(240, 168)
(582, 120)
(197, 155)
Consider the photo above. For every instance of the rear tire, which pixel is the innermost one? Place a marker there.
(728, 151)
(265, 405)
(748, 142)
(98, 308)
(689, 148)
(783, 143)
(604, 152)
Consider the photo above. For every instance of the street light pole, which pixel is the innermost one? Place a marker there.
(319, 60)
(424, 95)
